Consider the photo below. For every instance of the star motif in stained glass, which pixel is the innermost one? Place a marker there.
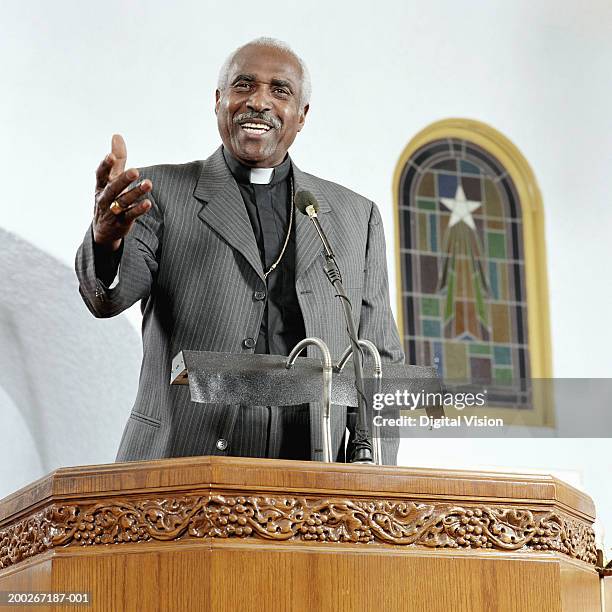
(461, 208)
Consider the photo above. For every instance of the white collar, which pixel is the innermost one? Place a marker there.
(261, 176)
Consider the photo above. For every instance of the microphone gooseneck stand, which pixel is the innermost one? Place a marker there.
(327, 388)
(362, 444)
(371, 347)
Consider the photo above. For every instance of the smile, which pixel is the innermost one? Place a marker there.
(255, 128)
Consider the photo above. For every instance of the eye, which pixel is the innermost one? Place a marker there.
(242, 85)
(282, 92)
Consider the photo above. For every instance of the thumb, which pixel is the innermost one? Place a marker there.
(119, 151)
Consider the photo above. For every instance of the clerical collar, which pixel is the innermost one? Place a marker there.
(245, 175)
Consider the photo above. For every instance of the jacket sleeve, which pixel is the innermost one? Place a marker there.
(376, 322)
(137, 267)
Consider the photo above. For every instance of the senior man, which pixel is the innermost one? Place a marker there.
(220, 261)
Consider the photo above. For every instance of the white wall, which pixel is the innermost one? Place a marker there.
(75, 72)
(67, 380)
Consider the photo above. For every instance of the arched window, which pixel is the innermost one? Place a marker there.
(472, 287)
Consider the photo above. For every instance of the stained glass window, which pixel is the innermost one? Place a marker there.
(464, 304)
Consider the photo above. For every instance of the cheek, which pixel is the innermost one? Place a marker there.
(292, 126)
(290, 121)
(225, 109)
(224, 118)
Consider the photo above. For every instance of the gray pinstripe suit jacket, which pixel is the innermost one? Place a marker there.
(193, 262)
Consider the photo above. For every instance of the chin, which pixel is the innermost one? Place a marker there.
(250, 158)
(254, 156)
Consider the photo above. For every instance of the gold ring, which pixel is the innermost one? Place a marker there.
(116, 208)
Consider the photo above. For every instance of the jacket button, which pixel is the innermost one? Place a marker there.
(221, 444)
(259, 295)
(248, 343)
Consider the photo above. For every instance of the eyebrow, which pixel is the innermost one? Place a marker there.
(244, 77)
(251, 78)
(282, 83)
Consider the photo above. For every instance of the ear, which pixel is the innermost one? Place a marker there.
(302, 119)
(217, 100)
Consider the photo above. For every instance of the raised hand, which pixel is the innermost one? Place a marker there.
(116, 208)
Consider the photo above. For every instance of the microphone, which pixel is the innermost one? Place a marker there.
(307, 204)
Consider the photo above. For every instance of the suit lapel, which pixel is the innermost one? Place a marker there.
(308, 245)
(223, 208)
(224, 211)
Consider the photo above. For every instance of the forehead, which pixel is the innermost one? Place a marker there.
(266, 63)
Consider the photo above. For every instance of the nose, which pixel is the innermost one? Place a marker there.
(259, 100)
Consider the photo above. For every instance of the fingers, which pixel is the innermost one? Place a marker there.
(138, 209)
(102, 172)
(119, 154)
(114, 188)
(118, 147)
(126, 199)
(113, 164)
(110, 229)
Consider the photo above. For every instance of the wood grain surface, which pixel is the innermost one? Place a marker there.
(210, 533)
(188, 473)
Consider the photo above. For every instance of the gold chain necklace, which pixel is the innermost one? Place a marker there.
(288, 231)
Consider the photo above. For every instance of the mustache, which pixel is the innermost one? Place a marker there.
(268, 118)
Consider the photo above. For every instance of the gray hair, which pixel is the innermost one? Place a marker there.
(263, 41)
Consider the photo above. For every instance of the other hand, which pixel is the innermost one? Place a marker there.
(116, 208)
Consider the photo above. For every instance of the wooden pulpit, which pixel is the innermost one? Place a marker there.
(232, 534)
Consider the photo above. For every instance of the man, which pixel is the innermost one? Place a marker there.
(221, 262)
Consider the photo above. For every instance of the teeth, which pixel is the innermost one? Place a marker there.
(259, 127)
